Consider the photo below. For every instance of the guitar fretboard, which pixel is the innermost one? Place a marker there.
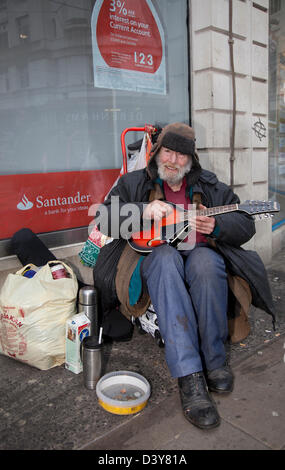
(212, 211)
(217, 210)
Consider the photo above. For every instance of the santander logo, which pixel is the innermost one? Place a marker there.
(41, 201)
(24, 204)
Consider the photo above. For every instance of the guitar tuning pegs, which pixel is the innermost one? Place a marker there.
(265, 215)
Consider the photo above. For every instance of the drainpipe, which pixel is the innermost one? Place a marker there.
(232, 137)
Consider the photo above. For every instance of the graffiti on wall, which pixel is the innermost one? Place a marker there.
(259, 129)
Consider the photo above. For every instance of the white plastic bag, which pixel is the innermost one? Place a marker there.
(139, 159)
(33, 313)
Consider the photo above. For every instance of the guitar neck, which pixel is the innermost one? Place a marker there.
(217, 210)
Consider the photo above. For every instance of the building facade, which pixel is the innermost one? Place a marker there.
(75, 74)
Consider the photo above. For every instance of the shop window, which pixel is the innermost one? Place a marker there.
(275, 6)
(3, 36)
(23, 24)
(53, 28)
(3, 40)
(23, 76)
(60, 132)
(3, 5)
(277, 108)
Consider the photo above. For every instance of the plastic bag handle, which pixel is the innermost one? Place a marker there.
(31, 266)
(147, 128)
(68, 268)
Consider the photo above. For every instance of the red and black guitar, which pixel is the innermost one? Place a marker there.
(174, 228)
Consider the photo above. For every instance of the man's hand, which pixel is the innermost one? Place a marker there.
(203, 224)
(155, 210)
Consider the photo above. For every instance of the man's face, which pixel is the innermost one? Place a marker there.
(173, 166)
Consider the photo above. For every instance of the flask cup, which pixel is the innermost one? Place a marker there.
(91, 357)
(88, 303)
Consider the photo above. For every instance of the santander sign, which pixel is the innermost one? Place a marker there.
(41, 201)
(47, 202)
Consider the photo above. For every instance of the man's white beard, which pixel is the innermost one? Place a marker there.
(173, 179)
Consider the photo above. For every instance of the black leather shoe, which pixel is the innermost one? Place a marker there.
(197, 404)
(220, 380)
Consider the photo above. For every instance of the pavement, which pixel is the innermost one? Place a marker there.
(52, 410)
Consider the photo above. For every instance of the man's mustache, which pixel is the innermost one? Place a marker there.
(173, 167)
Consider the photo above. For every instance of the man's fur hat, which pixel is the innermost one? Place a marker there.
(178, 137)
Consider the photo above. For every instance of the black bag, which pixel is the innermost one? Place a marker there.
(116, 326)
(104, 273)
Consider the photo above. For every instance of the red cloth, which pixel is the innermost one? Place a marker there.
(179, 197)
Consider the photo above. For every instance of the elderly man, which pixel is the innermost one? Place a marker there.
(188, 287)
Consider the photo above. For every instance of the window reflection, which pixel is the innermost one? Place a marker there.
(277, 107)
(52, 118)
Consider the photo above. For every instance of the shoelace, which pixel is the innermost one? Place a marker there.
(194, 385)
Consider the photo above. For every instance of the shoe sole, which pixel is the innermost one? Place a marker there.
(220, 392)
(201, 426)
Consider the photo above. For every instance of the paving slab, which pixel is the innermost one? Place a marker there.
(252, 415)
(165, 428)
(52, 410)
(257, 405)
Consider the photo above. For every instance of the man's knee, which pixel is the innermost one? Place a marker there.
(164, 257)
(206, 263)
(166, 254)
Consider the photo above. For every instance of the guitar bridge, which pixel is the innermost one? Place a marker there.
(175, 232)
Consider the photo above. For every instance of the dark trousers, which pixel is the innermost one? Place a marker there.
(189, 292)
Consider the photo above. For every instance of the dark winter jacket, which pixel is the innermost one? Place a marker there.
(232, 229)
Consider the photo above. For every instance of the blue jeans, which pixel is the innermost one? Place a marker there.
(189, 292)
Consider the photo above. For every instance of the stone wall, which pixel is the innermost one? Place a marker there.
(212, 98)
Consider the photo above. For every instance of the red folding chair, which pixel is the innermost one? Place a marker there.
(149, 130)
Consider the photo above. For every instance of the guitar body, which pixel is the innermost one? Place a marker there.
(175, 227)
(143, 243)
(166, 230)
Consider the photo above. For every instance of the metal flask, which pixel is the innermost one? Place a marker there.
(88, 303)
(91, 356)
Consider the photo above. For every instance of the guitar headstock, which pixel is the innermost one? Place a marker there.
(259, 207)
(266, 215)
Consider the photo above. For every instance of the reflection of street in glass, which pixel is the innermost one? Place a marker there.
(276, 122)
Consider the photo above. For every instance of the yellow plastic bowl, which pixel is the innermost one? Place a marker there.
(123, 392)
